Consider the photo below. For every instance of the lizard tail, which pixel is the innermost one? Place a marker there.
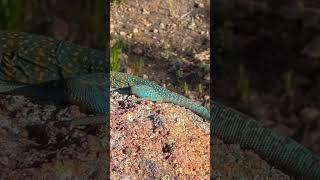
(6, 86)
(188, 103)
(283, 152)
(37, 91)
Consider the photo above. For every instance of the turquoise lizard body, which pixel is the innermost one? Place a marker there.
(32, 59)
(27, 60)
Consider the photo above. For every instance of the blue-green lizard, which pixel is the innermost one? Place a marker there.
(28, 60)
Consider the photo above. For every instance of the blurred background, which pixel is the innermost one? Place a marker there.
(32, 146)
(80, 21)
(267, 64)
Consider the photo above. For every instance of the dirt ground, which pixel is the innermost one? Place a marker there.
(277, 44)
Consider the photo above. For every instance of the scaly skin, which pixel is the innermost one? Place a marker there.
(282, 152)
(28, 59)
(95, 87)
(34, 59)
(151, 91)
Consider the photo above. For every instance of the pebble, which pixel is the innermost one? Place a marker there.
(144, 11)
(135, 30)
(202, 56)
(137, 50)
(207, 77)
(192, 25)
(199, 5)
(162, 26)
(4, 161)
(144, 76)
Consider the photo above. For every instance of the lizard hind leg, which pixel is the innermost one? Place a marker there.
(7, 86)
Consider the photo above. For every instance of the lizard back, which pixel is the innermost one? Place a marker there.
(34, 59)
(159, 94)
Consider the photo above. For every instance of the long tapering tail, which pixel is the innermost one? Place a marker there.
(283, 152)
(188, 103)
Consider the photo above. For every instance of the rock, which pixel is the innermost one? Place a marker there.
(135, 30)
(312, 49)
(207, 77)
(192, 25)
(162, 26)
(198, 5)
(137, 50)
(144, 76)
(309, 114)
(122, 33)
(75, 111)
(145, 11)
(202, 56)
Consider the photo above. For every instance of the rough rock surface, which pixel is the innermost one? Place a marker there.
(159, 141)
(36, 142)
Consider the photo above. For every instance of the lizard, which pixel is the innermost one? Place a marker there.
(28, 60)
(89, 87)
